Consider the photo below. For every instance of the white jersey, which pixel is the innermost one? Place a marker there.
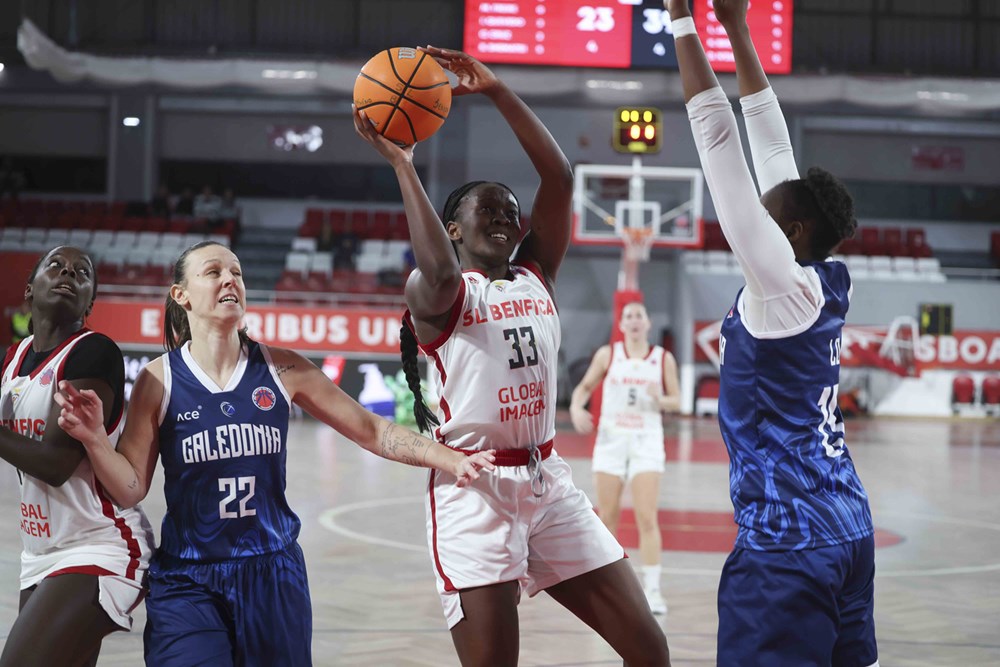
(75, 527)
(496, 364)
(626, 404)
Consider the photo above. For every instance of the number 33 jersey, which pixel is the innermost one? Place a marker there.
(496, 363)
(223, 451)
(791, 478)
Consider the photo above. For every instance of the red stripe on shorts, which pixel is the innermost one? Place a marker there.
(94, 570)
(131, 544)
(448, 586)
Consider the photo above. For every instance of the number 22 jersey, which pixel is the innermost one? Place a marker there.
(792, 480)
(223, 454)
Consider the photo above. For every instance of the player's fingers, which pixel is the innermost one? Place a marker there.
(66, 387)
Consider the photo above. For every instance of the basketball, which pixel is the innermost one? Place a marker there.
(405, 93)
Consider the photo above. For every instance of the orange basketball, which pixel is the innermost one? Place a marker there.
(405, 93)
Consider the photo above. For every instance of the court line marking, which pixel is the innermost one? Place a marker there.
(328, 519)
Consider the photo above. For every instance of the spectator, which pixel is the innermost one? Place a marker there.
(228, 208)
(345, 246)
(12, 179)
(159, 205)
(20, 323)
(207, 205)
(185, 203)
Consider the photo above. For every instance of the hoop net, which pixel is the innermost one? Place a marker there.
(637, 241)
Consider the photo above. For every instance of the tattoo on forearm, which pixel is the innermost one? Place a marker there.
(399, 444)
(134, 483)
(282, 369)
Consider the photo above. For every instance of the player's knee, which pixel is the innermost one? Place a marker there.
(646, 521)
(652, 652)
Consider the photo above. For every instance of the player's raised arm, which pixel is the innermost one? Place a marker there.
(549, 238)
(433, 286)
(761, 247)
(767, 132)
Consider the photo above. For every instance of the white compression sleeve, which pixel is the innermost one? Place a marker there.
(773, 160)
(780, 294)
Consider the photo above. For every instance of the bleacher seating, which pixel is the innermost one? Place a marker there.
(990, 392)
(127, 250)
(963, 391)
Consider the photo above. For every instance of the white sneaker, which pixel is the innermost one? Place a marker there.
(656, 602)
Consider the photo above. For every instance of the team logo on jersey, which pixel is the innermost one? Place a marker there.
(47, 377)
(263, 398)
(227, 408)
(498, 285)
(15, 393)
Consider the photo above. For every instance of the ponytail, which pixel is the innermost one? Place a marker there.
(408, 353)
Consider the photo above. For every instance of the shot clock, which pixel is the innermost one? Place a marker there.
(637, 130)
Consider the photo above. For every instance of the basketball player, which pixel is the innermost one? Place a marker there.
(798, 587)
(84, 558)
(639, 382)
(228, 584)
(489, 325)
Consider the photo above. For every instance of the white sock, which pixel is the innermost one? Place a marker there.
(651, 577)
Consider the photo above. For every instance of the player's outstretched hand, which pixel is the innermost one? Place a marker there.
(396, 155)
(473, 76)
(467, 470)
(677, 8)
(731, 12)
(582, 420)
(82, 414)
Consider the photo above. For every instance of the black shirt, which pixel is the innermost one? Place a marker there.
(95, 357)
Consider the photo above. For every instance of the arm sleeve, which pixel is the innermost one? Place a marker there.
(780, 294)
(98, 357)
(773, 160)
(763, 252)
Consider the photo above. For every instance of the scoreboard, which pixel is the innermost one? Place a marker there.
(614, 33)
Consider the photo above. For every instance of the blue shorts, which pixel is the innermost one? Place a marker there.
(798, 608)
(240, 613)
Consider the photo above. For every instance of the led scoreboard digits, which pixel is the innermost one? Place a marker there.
(613, 33)
(770, 23)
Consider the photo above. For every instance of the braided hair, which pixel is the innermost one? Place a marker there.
(176, 328)
(408, 353)
(408, 340)
(823, 199)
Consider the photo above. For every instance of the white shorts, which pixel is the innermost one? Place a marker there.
(625, 454)
(496, 531)
(119, 597)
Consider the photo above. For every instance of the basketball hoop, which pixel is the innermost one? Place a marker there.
(637, 241)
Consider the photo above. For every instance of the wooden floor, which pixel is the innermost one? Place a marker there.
(935, 493)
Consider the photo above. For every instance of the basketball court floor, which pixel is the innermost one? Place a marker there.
(935, 494)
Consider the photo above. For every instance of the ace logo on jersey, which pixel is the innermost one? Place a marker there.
(263, 398)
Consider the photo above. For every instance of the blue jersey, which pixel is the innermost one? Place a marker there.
(792, 480)
(223, 454)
